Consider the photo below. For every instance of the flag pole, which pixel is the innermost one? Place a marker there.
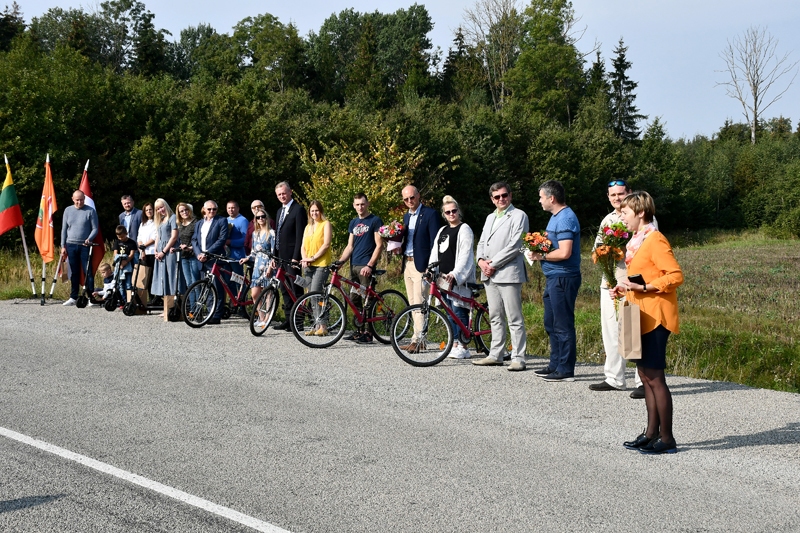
(28, 261)
(43, 280)
(55, 276)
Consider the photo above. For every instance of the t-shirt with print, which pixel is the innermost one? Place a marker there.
(564, 226)
(124, 248)
(363, 231)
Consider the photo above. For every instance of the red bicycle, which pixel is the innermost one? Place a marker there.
(319, 319)
(436, 338)
(267, 304)
(201, 298)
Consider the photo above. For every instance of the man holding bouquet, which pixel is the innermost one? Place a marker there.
(562, 272)
(420, 225)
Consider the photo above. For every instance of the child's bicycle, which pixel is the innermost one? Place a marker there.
(437, 335)
(318, 319)
(267, 304)
(201, 298)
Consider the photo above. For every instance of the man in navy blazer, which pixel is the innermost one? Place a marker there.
(210, 235)
(131, 217)
(290, 221)
(420, 225)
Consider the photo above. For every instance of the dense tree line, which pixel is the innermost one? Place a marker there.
(227, 116)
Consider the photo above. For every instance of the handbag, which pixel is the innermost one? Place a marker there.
(630, 331)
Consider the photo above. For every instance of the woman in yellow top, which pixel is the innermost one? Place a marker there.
(650, 255)
(316, 254)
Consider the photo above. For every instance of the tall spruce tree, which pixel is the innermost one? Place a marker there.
(625, 115)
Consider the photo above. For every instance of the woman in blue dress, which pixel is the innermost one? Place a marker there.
(263, 242)
(166, 264)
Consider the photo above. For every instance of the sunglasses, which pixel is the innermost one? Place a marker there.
(261, 217)
(211, 208)
(614, 183)
(502, 195)
(256, 207)
(451, 212)
(409, 198)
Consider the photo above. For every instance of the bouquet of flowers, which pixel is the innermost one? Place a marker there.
(611, 251)
(537, 242)
(393, 233)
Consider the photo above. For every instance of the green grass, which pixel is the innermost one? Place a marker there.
(739, 307)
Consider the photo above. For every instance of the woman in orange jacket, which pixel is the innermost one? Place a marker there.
(650, 255)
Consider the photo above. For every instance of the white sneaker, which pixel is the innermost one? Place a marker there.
(259, 324)
(90, 304)
(459, 352)
(71, 301)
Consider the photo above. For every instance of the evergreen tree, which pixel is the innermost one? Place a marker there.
(624, 114)
(11, 25)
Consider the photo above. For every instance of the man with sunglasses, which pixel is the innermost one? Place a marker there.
(503, 273)
(210, 235)
(614, 368)
(420, 225)
(562, 272)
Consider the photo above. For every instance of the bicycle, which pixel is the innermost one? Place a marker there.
(201, 297)
(322, 311)
(267, 304)
(436, 338)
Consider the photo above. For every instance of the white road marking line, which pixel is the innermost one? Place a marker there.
(211, 507)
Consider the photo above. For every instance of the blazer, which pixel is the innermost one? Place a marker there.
(216, 238)
(502, 246)
(656, 263)
(290, 237)
(136, 221)
(428, 224)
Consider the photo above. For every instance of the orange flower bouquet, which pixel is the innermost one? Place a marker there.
(611, 251)
(537, 242)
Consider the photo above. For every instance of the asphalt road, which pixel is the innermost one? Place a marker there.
(353, 439)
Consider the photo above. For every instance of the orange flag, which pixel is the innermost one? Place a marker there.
(44, 223)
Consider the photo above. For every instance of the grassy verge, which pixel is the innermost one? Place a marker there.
(739, 307)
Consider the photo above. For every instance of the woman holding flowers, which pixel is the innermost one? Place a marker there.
(650, 255)
(453, 250)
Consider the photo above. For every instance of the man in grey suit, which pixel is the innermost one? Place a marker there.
(503, 273)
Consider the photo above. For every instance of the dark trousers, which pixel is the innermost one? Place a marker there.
(288, 301)
(78, 257)
(559, 298)
(205, 269)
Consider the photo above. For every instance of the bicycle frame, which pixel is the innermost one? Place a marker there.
(282, 277)
(337, 280)
(466, 329)
(243, 281)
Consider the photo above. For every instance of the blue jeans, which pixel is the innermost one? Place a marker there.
(559, 298)
(190, 272)
(78, 256)
(461, 312)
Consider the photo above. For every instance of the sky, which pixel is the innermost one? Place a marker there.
(674, 46)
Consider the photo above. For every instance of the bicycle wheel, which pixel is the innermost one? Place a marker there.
(436, 337)
(480, 323)
(390, 304)
(263, 311)
(317, 320)
(199, 303)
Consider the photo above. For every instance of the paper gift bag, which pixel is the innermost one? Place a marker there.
(169, 303)
(630, 331)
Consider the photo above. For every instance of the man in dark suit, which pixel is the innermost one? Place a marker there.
(210, 235)
(290, 221)
(131, 217)
(420, 225)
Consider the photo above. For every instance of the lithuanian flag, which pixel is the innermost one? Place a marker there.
(10, 213)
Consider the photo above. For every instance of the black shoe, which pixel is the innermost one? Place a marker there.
(639, 442)
(603, 385)
(364, 338)
(638, 392)
(542, 372)
(658, 446)
(353, 336)
(215, 321)
(283, 326)
(558, 376)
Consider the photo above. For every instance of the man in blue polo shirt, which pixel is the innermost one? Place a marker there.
(562, 271)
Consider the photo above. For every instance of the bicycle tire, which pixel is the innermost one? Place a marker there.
(436, 337)
(390, 304)
(313, 310)
(482, 342)
(265, 307)
(199, 303)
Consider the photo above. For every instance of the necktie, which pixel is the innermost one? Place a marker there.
(280, 223)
